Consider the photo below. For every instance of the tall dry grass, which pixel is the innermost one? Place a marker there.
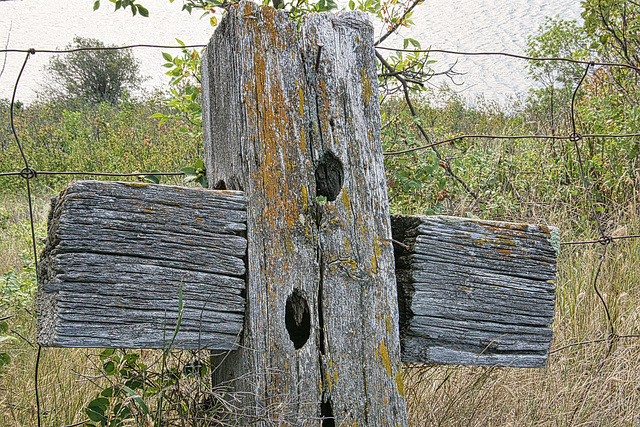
(591, 384)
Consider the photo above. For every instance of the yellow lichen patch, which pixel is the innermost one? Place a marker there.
(505, 252)
(376, 254)
(346, 202)
(329, 380)
(303, 141)
(366, 83)
(387, 319)
(376, 247)
(290, 246)
(301, 102)
(305, 198)
(347, 244)
(335, 377)
(349, 263)
(136, 184)
(384, 355)
(400, 382)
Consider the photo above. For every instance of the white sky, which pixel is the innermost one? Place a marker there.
(52, 24)
(470, 25)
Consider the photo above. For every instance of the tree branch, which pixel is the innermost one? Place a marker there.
(405, 87)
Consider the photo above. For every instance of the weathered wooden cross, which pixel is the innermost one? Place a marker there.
(290, 263)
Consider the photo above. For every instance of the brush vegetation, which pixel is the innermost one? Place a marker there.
(521, 180)
(592, 374)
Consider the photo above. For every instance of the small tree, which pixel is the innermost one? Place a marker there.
(92, 73)
(560, 39)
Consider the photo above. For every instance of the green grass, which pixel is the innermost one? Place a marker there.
(528, 181)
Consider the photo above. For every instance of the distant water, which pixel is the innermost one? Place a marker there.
(464, 25)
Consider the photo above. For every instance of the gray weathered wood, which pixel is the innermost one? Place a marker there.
(117, 255)
(292, 118)
(471, 292)
(475, 292)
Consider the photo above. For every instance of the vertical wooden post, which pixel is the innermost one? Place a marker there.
(292, 119)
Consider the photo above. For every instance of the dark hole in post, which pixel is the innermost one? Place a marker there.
(297, 319)
(326, 411)
(329, 176)
(220, 185)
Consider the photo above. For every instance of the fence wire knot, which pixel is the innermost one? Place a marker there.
(28, 173)
(605, 240)
(575, 137)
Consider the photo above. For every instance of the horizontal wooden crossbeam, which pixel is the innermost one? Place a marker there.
(120, 255)
(475, 292)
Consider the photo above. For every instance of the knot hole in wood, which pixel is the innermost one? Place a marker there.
(297, 319)
(329, 176)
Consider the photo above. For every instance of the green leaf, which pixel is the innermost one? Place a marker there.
(5, 359)
(188, 171)
(109, 367)
(96, 5)
(154, 179)
(167, 57)
(108, 392)
(96, 409)
(106, 353)
(138, 399)
(143, 11)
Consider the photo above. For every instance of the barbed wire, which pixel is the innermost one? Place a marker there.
(28, 173)
(35, 173)
(85, 49)
(515, 56)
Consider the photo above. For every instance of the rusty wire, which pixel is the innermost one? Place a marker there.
(84, 49)
(513, 55)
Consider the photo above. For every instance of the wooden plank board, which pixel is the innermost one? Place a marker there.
(475, 292)
(118, 255)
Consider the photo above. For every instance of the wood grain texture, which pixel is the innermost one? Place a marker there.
(117, 255)
(297, 128)
(475, 292)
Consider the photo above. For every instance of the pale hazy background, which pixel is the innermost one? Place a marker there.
(468, 25)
